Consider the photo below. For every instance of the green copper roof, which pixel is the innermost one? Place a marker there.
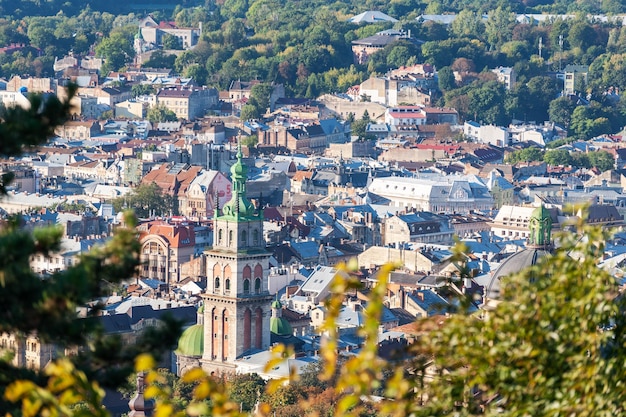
(191, 342)
(280, 326)
(540, 225)
(239, 207)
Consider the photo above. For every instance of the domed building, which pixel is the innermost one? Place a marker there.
(191, 346)
(539, 244)
(281, 330)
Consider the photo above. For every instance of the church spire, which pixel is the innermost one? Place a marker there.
(239, 206)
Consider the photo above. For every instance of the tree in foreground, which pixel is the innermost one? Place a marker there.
(48, 308)
(553, 346)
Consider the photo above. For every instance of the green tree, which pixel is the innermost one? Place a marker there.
(142, 89)
(602, 160)
(250, 111)
(499, 26)
(581, 35)
(171, 42)
(250, 141)
(557, 157)
(581, 160)
(540, 91)
(234, 9)
(446, 80)
(487, 103)
(525, 155)
(117, 50)
(146, 200)
(359, 127)
(160, 113)
(468, 24)
(261, 96)
(560, 111)
(589, 122)
(234, 33)
(246, 390)
(198, 72)
(535, 352)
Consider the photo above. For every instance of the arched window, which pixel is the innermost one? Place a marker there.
(246, 286)
(255, 237)
(257, 285)
(220, 237)
(227, 284)
(258, 271)
(217, 283)
(247, 272)
(244, 237)
(230, 238)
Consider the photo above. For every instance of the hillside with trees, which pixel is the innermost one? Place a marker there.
(307, 48)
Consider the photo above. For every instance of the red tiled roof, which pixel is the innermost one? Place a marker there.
(178, 235)
(300, 175)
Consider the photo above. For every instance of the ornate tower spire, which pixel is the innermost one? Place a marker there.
(540, 226)
(239, 207)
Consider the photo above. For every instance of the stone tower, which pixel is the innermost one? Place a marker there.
(139, 46)
(237, 303)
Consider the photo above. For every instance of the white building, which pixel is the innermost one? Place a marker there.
(405, 116)
(506, 75)
(435, 193)
(487, 134)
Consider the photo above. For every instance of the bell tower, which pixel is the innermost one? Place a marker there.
(237, 303)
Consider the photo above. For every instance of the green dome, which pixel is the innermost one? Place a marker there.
(276, 304)
(280, 326)
(191, 342)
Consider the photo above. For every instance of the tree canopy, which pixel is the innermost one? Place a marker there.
(146, 200)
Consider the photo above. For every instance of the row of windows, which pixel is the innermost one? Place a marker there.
(243, 237)
(246, 285)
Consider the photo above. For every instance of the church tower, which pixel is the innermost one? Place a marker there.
(139, 46)
(237, 303)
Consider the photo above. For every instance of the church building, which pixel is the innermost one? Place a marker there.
(237, 303)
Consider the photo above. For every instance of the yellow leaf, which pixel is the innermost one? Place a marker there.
(164, 410)
(193, 375)
(198, 409)
(353, 264)
(202, 391)
(16, 390)
(31, 408)
(144, 362)
(265, 409)
(347, 403)
(152, 392)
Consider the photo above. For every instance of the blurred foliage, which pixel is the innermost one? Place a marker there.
(48, 307)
